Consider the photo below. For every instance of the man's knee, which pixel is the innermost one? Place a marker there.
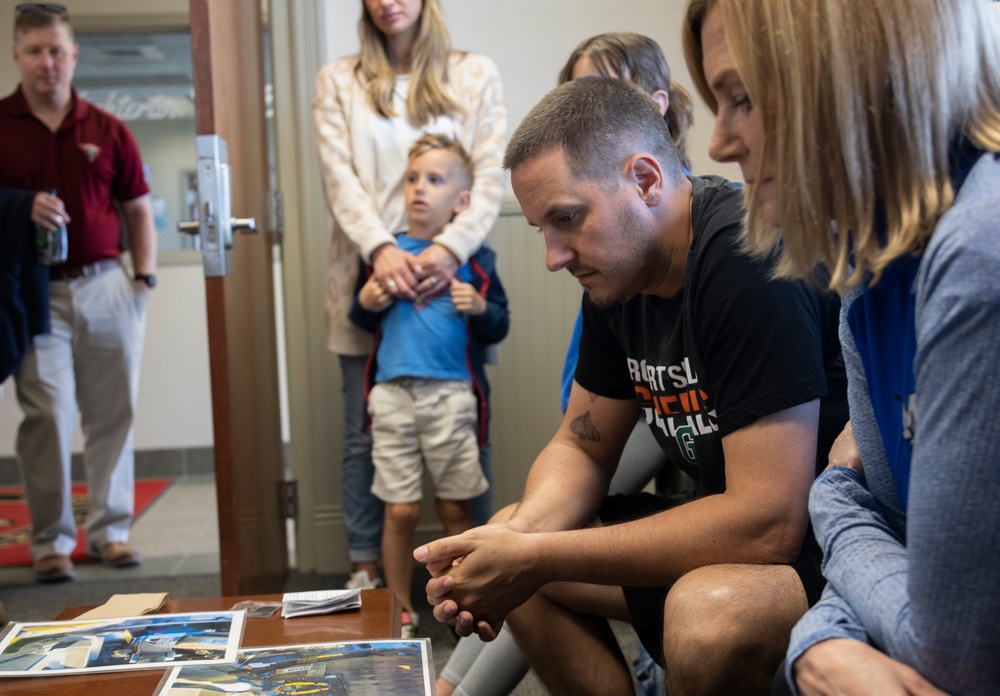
(730, 610)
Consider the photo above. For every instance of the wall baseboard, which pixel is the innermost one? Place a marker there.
(165, 463)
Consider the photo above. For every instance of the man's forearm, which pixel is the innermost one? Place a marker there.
(659, 549)
(562, 491)
(141, 234)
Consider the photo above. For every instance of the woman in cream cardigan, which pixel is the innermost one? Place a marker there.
(368, 109)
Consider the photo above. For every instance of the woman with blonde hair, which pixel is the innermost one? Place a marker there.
(869, 135)
(368, 110)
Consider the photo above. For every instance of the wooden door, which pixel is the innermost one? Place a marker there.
(227, 46)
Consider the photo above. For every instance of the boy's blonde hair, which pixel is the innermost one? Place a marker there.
(428, 97)
(862, 102)
(436, 141)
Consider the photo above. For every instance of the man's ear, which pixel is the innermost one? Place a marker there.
(464, 198)
(645, 172)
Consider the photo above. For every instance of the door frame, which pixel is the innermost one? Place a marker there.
(227, 51)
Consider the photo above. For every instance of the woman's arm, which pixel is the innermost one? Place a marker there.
(478, 87)
(933, 602)
(351, 205)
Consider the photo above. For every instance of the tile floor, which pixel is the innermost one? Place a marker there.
(176, 535)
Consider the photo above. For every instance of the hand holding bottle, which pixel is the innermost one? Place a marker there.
(50, 218)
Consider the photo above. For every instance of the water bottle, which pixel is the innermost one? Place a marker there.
(51, 246)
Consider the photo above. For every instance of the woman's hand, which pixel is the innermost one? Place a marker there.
(435, 266)
(846, 667)
(844, 451)
(394, 271)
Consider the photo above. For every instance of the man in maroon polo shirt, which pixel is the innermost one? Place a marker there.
(53, 140)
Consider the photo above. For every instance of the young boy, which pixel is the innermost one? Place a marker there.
(428, 405)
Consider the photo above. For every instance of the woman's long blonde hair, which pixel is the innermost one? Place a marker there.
(862, 101)
(428, 96)
(640, 60)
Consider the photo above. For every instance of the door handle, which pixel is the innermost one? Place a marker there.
(193, 227)
(215, 224)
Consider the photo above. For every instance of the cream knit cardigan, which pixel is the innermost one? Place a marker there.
(344, 120)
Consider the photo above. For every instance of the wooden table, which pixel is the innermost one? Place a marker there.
(378, 618)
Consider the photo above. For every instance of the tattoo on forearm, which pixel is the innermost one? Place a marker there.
(585, 429)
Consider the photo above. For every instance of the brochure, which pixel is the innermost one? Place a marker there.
(318, 602)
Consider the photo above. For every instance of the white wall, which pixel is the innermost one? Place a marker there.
(168, 149)
(530, 40)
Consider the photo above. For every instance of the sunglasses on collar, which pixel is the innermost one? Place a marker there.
(50, 7)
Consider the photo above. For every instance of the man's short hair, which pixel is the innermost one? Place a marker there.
(598, 122)
(31, 16)
(437, 141)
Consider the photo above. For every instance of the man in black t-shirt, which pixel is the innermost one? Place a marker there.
(741, 381)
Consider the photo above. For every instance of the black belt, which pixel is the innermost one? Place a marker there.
(64, 272)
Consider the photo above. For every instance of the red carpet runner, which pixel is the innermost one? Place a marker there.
(15, 526)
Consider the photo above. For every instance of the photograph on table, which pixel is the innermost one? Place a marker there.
(110, 645)
(369, 668)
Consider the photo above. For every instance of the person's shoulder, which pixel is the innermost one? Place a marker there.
(711, 189)
(974, 212)
(8, 102)
(716, 208)
(93, 116)
(340, 68)
(91, 111)
(474, 66)
(963, 244)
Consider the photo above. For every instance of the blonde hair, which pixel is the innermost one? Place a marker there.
(862, 102)
(640, 60)
(428, 97)
(437, 141)
(694, 17)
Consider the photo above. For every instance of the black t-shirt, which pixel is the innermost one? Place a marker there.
(731, 347)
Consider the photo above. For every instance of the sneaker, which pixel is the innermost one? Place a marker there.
(411, 622)
(361, 580)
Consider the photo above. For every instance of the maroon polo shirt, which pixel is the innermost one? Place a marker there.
(91, 161)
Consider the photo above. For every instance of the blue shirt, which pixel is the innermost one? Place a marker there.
(424, 338)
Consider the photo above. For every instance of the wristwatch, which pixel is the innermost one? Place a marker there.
(148, 278)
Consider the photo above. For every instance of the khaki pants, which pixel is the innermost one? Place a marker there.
(89, 361)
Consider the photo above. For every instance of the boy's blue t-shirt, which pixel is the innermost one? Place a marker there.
(424, 339)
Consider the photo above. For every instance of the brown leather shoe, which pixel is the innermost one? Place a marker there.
(54, 568)
(117, 554)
